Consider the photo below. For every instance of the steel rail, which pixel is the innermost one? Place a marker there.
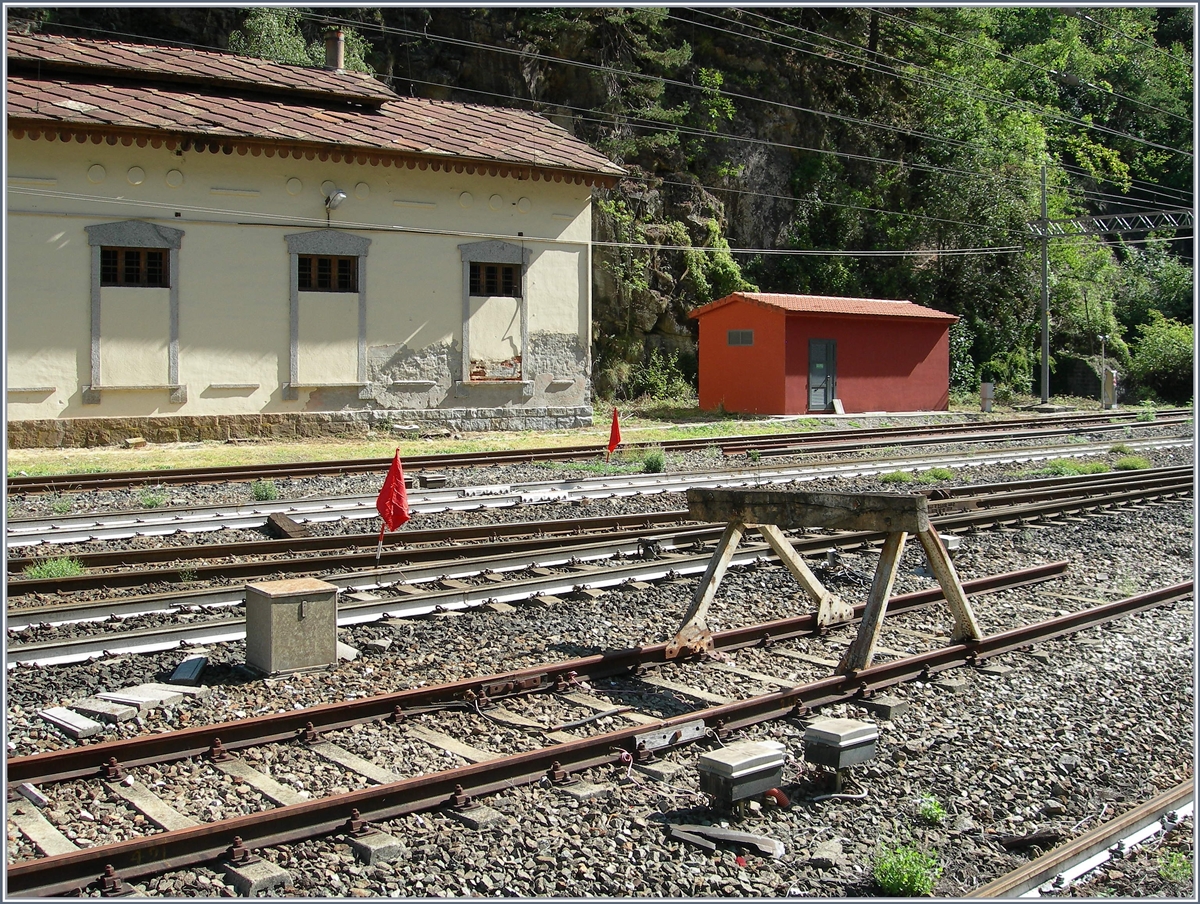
(492, 532)
(64, 873)
(416, 603)
(415, 547)
(88, 760)
(119, 525)
(418, 463)
(1055, 863)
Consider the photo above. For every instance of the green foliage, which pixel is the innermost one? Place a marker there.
(962, 365)
(274, 33)
(1175, 867)
(187, 575)
(1153, 279)
(54, 567)
(718, 108)
(1162, 358)
(1147, 412)
(1131, 463)
(1120, 449)
(930, 810)
(1069, 467)
(60, 505)
(654, 461)
(754, 455)
(897, 477)
(264, 490)
(150, 499)
(659, 377)
(906, 872)
(935, 474)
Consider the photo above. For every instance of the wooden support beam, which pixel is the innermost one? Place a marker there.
(831, 609)
(965, 626)
(790, 509)
(859, 655)
(693, 634)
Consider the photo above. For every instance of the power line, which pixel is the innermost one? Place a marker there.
(280, 220)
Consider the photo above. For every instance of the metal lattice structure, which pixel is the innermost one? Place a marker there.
(1113, 224)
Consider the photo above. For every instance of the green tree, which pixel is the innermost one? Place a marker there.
(1162, 359)
(274, 33)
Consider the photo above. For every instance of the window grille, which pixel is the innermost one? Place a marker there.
(321, 273)
(134, 267)
(741, 337)
(496, 279)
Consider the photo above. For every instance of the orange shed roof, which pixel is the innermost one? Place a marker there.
(829, 304)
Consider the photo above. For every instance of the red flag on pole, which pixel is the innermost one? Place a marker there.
(614, 435)
(392, 502)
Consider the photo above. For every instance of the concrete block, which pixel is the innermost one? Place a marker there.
(378, 645)
(954, 683)
(660, 771)
(480, 817)
(72, 724)
(251, 878)
(201, 692)
(346, 652)
(377, 847)
(885, 707)
(996, 671)
(582, 790)
(291, 625)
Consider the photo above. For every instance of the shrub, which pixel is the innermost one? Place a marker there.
(658, 377)
(150, 499)
(935, 474)
(264, 490)
(1132, 463)
(1121, 449)
(1068, 467)
(1175, 867)
(60, 506)
(906, 872)
(896, 477)
(931, 811)
(654, 461)
(754, 455)
(1162, 358)
(1147, 412)
(55, 567)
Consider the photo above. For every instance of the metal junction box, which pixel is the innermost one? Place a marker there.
(741, 770)
(839, 743)
(291, 625)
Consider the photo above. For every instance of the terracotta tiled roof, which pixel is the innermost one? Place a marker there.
(829, 304)
(228, 107)
(186, 64)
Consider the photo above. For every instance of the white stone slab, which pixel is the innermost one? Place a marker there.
(452, 745)
(200, 692)
(354, 763)
(71, 723)
(34, 826)
(104, 710)
(143, 696)
(147, 803)
(271, 789)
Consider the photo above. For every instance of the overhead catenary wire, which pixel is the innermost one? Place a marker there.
(268, 219)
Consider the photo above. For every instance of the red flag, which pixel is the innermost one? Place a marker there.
(392, 502)
(614, 435)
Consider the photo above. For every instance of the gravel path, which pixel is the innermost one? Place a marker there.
(1082, 727)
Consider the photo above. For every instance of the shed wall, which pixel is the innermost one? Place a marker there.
(883, 364)
(746, 379)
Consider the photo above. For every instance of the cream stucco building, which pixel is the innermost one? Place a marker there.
(202, 244)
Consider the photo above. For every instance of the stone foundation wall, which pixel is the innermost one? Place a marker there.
(105, 431)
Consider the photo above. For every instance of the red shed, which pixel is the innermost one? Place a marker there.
(762, 353)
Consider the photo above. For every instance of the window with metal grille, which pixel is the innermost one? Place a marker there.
(319, 273)
(496, 279)
(134, 267)
(741, 337)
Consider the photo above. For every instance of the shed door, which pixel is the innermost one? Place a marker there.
(822, 374)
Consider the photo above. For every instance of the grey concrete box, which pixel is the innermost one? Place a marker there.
(839, 743)
(291, 625)
(741, 770)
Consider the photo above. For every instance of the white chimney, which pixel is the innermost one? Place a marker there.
(335, 50)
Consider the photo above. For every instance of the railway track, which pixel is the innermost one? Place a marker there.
(789, 443)
(644, 554)
(158, 522)
(387, 795)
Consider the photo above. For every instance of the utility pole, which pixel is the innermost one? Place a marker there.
(1045, 294)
